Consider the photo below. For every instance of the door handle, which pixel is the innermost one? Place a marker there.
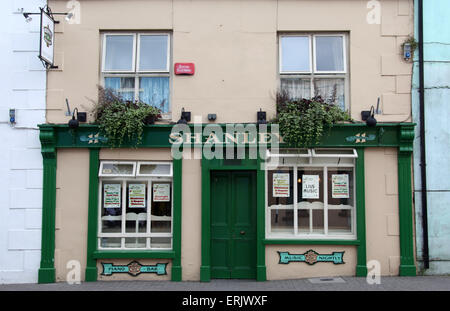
(242, 232)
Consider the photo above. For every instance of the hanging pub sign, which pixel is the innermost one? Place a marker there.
(47, 39)
(280, 186)
(339, 186)
(136, 195)
(310, 187)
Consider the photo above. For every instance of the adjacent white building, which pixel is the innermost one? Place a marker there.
(22, 85)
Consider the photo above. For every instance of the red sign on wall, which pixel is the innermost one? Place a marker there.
(184, 68)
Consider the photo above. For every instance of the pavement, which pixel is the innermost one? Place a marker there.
(418, 283)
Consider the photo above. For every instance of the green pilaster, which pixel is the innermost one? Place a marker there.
(91, 262)
(260, 223)
(177, 190)
(407, 265)
(361, 265)
(46, 272)
(205, 268)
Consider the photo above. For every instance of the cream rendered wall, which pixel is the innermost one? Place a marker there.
(382, 217)
(234, 47)
(71, 217)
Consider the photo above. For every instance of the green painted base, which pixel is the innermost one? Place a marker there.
(176, 273)
(361, 270)
(261, 273)
(46, 275)
(205, 274)
(408, 270)
(91, 274)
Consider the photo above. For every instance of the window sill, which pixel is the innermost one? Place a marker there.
(309, 242)
(103, 254)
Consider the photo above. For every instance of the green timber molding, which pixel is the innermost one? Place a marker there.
(349, 135)
(47, 270)
(361, 261)
(157, 136)
(407, 265)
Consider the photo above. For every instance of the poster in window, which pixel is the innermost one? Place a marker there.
(111, 195)
(161, 192)
(339, 186)
(310, 187)
(280, 186)
(136, 195)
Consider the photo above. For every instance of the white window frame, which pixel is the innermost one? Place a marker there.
(139, 163)
(101, 174)
(313, 73)
(124, 179)
(311, 236)
(136, 73)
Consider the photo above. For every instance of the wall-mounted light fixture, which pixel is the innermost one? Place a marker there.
(185, 117)
(261, 117)
(369, 116)
(75, 122)
(212, 117)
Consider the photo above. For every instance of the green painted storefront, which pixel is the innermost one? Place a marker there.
(222, 240)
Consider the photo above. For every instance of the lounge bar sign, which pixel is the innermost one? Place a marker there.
(47, 38)
(134, 268)
(311, 257)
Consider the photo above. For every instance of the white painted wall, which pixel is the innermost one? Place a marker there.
(22, 86)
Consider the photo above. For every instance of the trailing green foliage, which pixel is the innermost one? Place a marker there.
(121, 120)
(303, 122)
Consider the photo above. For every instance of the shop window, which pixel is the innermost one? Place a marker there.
(311, 196)
(137, 67)
(314, 64)
(135, 211)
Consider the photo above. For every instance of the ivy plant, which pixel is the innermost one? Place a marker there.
(303, 122)
(121, 120)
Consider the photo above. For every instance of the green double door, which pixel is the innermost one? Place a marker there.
(233, 224)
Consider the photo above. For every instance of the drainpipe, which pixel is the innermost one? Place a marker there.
(423, 164)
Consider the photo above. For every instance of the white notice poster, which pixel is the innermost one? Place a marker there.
(161, 192)
(111, 195)
(310, 187)
(280, 186)
(136, 195)
(339, 186)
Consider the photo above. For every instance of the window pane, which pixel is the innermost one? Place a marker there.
(117, 169)
(110, 242)
(136, 207)
(153, 53)
(155, 91)
(340, 188)
(161, 207)
(329, 53)
(295, 54)
(280, 187)
(124, 87)
(310, 200)
(296, 88)
(119, 53)
(331, 90)
(135, 242)
(339, 221)
(160, 242)
(282, 221)
(111, 208)
(154, 169)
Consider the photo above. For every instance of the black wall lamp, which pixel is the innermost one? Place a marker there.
(261, 117)
(185, 117)
(369, 116)
(28, 18)
(75, 123)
